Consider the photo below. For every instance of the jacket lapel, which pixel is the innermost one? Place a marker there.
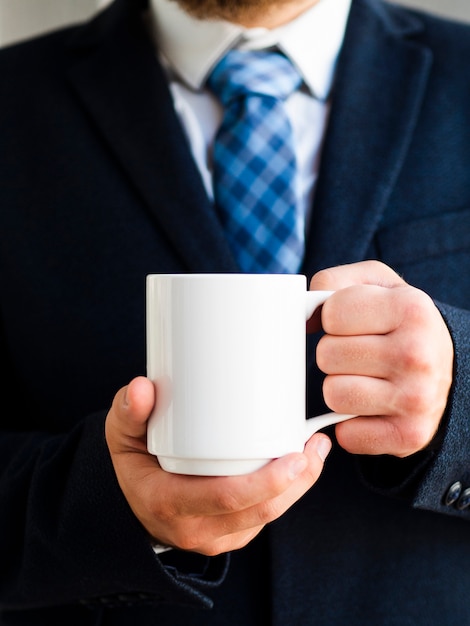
(132, 108)
(380, 83)
(381, 78)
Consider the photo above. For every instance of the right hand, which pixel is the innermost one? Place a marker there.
(208, 515)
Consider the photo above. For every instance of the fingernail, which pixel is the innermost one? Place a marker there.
(297, 467)
(323, 448)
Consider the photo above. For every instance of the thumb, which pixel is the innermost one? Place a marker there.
(126, 422)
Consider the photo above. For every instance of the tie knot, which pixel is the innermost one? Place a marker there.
(262, 72)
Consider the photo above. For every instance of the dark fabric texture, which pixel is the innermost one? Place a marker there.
(98, 189)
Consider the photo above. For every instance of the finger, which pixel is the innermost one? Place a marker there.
(209, 496)
(376, 430)
(232, 531)
(228, 531)
(228, 543)
(368, 309)
(363, 273)
(365, 355)
(398, 357)
(271, 509)
(362, 395)
(220, 495)
(377, 435)
(361, 356)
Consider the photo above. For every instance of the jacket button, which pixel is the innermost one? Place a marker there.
(453, 493)
(464, 500)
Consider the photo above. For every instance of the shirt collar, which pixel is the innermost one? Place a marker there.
(192, 47)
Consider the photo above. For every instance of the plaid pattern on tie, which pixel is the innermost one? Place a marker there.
(254, 161)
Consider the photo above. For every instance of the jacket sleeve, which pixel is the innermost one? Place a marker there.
(451, 459)
(426, 477)
(67, 534)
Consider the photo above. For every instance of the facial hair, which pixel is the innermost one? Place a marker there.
(231, 10)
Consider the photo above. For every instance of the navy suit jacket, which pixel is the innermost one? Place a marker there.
(98, 189)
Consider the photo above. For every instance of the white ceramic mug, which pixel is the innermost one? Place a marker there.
(227, 353)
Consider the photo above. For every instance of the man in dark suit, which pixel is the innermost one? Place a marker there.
(102, 181)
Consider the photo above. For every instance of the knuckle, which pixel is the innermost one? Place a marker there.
(227, 500)
(189, 538)
(386, 276)
(416, 357)
(414, 400)
(269, 511)
(164, 515)
(323, 279)
(415, 350)
(229, 543)
(416, 305)
(417, 425)
(214, 549)
(166, 509)
(414, 437)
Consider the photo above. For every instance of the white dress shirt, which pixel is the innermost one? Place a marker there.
(189, 48)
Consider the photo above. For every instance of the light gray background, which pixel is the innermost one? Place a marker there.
(20, 19)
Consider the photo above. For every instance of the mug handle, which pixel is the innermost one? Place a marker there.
(315, 299)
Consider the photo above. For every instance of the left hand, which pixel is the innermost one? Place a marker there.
(205, 514)
(388, 356)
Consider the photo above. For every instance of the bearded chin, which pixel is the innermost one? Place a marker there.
(231, 10)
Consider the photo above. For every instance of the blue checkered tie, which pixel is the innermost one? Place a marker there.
(254, 161)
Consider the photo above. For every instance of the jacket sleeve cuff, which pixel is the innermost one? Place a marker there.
(430, 479)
